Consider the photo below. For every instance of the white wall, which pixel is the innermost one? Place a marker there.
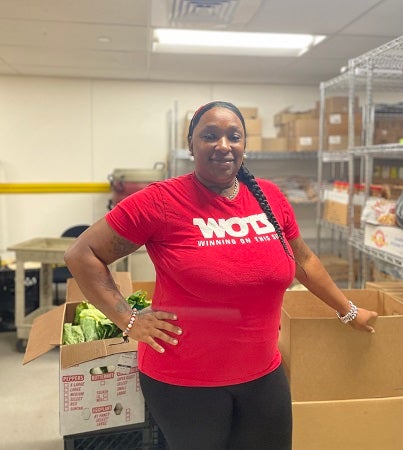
(79, 130)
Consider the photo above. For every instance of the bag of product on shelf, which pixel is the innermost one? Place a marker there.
(379, 211)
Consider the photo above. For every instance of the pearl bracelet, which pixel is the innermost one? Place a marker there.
(351, 315)
(130, 325)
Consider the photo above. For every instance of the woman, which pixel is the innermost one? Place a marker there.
(225, 248)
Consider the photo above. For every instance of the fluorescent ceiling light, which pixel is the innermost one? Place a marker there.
(170, 40)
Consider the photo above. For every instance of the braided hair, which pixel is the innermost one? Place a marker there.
(243, 174)
(249, 180)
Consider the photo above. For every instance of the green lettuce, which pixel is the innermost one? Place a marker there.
(90, 324)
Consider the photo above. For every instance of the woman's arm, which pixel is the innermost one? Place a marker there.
(311, 273)
(88, 259)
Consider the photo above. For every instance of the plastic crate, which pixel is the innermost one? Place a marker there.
(7, 296)
(143, 436)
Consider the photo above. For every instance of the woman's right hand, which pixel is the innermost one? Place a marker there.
(150, 325)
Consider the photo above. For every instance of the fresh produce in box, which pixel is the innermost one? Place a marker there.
(90, 324)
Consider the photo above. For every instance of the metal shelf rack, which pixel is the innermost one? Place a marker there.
(377, 71)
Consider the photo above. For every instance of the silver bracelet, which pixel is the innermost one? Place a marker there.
(351, 315)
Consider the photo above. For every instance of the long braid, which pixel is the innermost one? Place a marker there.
(249, 180)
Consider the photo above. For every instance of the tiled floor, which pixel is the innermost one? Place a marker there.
(29, 412)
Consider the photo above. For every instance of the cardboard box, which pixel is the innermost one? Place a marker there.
(98, 380)
(336, 207)
(253, 127)
(303, 143)
(254, 143)
(303, 127)
(338, 104)
(249, 112)
(370, 424)
(285, 116)
(337, 124)
(386, 239)
(340, 142)
(274, 144)
(327, 360)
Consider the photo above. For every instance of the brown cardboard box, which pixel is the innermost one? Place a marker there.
(303, 143)
(253, 127)
(249, 112)
(336, 207)
(98, 379)
(337, 124)
(327, 360)
(370, 424)
(254, 143)
(285, 116)
(274, 144)
(340, 142)
(303, 127)
(338, 104)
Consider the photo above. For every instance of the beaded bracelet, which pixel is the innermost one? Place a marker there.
(130, 325)
(351, 315)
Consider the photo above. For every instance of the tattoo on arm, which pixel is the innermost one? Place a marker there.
(121, 247)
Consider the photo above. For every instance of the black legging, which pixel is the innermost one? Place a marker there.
(249, 416)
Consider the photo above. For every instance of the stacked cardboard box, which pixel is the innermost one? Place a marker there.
(345, 384)
(253, 125)
(297, 131)
(336, 123)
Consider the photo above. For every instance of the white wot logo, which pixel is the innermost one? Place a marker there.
(234, 227)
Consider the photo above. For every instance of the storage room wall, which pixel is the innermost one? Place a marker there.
(80, 130)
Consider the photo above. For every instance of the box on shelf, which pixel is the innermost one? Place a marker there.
(340, 142)
(254, 143)
(274, 144)
(336, 207)
(286, 115)
(249, 112)
(253, 126)
(338, 104)
(303, 127)
(303, 143)
(326, 360)
(388, 239)
(98, 380)
(373, 424)
(337, 124)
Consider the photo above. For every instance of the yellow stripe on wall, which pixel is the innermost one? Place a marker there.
(53, 188)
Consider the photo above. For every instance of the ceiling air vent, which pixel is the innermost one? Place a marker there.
(212, 12)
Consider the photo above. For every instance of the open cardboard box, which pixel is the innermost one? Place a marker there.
(346, 385)
(327, 360)
(98, 381)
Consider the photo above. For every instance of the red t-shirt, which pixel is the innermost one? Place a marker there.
(221, 268)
